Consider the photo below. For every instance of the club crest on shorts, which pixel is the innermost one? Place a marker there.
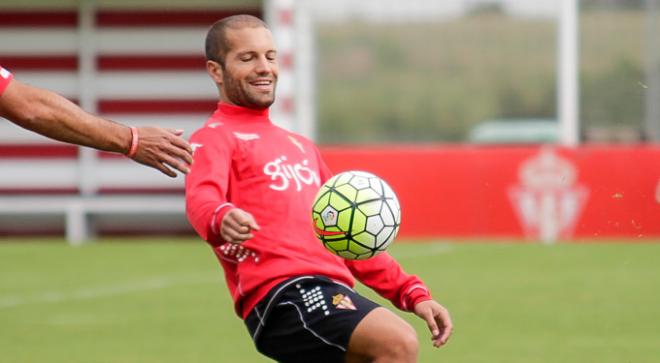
(341, 301)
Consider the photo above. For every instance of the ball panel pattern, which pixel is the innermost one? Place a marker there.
(356, 215)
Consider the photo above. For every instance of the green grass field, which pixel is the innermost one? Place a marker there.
(165, 301)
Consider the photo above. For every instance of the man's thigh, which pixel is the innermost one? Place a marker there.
(380, 333)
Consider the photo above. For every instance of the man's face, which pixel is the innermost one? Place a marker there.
(250, 72)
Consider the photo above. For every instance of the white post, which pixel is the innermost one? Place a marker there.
(305, 70)
(280, 16)
(568, 87)
(77, 223)
(652, 90)
(86, 89)
(292, 27)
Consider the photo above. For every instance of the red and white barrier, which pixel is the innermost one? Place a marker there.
(545, 193)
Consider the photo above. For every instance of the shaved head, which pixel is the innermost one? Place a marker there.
(217, 46)
(241, 58)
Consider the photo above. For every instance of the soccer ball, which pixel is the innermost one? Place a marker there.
(356, 215)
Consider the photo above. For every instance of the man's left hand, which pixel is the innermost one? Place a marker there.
(438, 320)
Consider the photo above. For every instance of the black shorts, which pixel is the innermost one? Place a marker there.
(307, 319)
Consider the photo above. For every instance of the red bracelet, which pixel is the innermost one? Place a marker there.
(134, 143)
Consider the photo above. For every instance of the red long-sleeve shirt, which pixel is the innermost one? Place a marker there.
(242, 160)
(5, 78)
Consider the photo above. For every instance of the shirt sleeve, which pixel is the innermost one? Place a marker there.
(5, 78)
(207, 183)
(384, 275)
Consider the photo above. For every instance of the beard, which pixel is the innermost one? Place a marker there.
(241, 93)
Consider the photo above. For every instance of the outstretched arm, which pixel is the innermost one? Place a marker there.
(53, 116)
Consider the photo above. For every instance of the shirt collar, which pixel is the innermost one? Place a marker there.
(226, 111)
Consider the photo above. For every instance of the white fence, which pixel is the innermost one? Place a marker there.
(141, 64)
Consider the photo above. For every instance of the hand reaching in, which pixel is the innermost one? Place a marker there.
(163, 149)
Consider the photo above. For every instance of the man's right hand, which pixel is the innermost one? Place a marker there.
(237, 226)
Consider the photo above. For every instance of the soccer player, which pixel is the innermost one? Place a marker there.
(249, 195)
(54, 116)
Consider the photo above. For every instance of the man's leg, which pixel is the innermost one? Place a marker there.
(382, 337)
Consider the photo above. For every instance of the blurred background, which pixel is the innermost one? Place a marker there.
(452, 71)
(508, 124)
(508, 118)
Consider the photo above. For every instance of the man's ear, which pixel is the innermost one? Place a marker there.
(214, 69)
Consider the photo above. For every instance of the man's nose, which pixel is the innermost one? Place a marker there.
(264, 65)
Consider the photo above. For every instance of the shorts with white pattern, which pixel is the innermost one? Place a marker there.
(307, 319)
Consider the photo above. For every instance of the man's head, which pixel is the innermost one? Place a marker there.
(241, 59)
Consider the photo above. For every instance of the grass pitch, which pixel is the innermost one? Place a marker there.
(164, 300)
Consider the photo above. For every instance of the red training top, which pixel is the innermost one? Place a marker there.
(5, 78)
(244, 161)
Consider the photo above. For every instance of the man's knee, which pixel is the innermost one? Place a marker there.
(383, 336)
(402, 344)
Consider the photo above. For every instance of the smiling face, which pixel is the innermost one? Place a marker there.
(249, 74)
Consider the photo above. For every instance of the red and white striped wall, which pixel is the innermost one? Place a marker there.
(140, 63)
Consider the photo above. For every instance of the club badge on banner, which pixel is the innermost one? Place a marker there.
(549, 199)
